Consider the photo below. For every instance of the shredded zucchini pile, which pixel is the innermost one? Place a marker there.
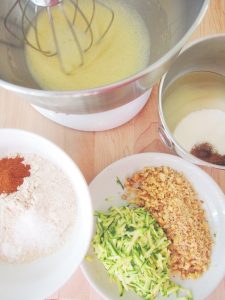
(134, 251)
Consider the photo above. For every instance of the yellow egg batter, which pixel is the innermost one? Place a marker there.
(122, 52)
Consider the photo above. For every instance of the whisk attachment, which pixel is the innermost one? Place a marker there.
(30, 10)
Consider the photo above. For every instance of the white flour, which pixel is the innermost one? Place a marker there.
(203, 126)
(38, 218)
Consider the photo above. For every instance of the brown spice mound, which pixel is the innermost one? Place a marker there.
(206, 152)
(172, 201)
(12, 174)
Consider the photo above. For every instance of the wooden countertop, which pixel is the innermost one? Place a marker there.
(94, 151)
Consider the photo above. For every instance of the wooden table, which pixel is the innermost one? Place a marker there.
(94, 151)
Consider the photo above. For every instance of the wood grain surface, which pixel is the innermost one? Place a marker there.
(94, 151)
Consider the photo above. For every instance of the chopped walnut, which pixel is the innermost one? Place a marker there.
(172, 201)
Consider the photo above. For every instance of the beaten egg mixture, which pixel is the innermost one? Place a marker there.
(122, 52)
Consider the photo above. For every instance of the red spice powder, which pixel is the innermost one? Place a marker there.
(12, 174)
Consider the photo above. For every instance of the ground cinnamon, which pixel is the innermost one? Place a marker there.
(12, 173)
(206, 152)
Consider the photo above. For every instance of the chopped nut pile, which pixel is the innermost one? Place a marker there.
(172, 201)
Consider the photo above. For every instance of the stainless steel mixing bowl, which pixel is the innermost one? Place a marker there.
(206, 54)
(169, 22)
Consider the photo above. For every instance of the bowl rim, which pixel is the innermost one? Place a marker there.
(124, 82)
(168, 133)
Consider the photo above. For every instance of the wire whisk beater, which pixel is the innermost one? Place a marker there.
(79, 21)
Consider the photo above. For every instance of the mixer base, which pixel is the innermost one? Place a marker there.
(99, 121)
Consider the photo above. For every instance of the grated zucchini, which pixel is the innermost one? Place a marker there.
(134, 251)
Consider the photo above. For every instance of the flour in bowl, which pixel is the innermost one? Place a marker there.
(39, 217)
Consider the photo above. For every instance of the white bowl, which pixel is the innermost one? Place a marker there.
(39, 279)
(104, 186)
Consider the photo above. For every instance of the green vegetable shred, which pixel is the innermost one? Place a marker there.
(134, 251)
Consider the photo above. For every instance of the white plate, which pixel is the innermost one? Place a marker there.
(105, 186)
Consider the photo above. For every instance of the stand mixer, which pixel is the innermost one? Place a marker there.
(169, 27)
